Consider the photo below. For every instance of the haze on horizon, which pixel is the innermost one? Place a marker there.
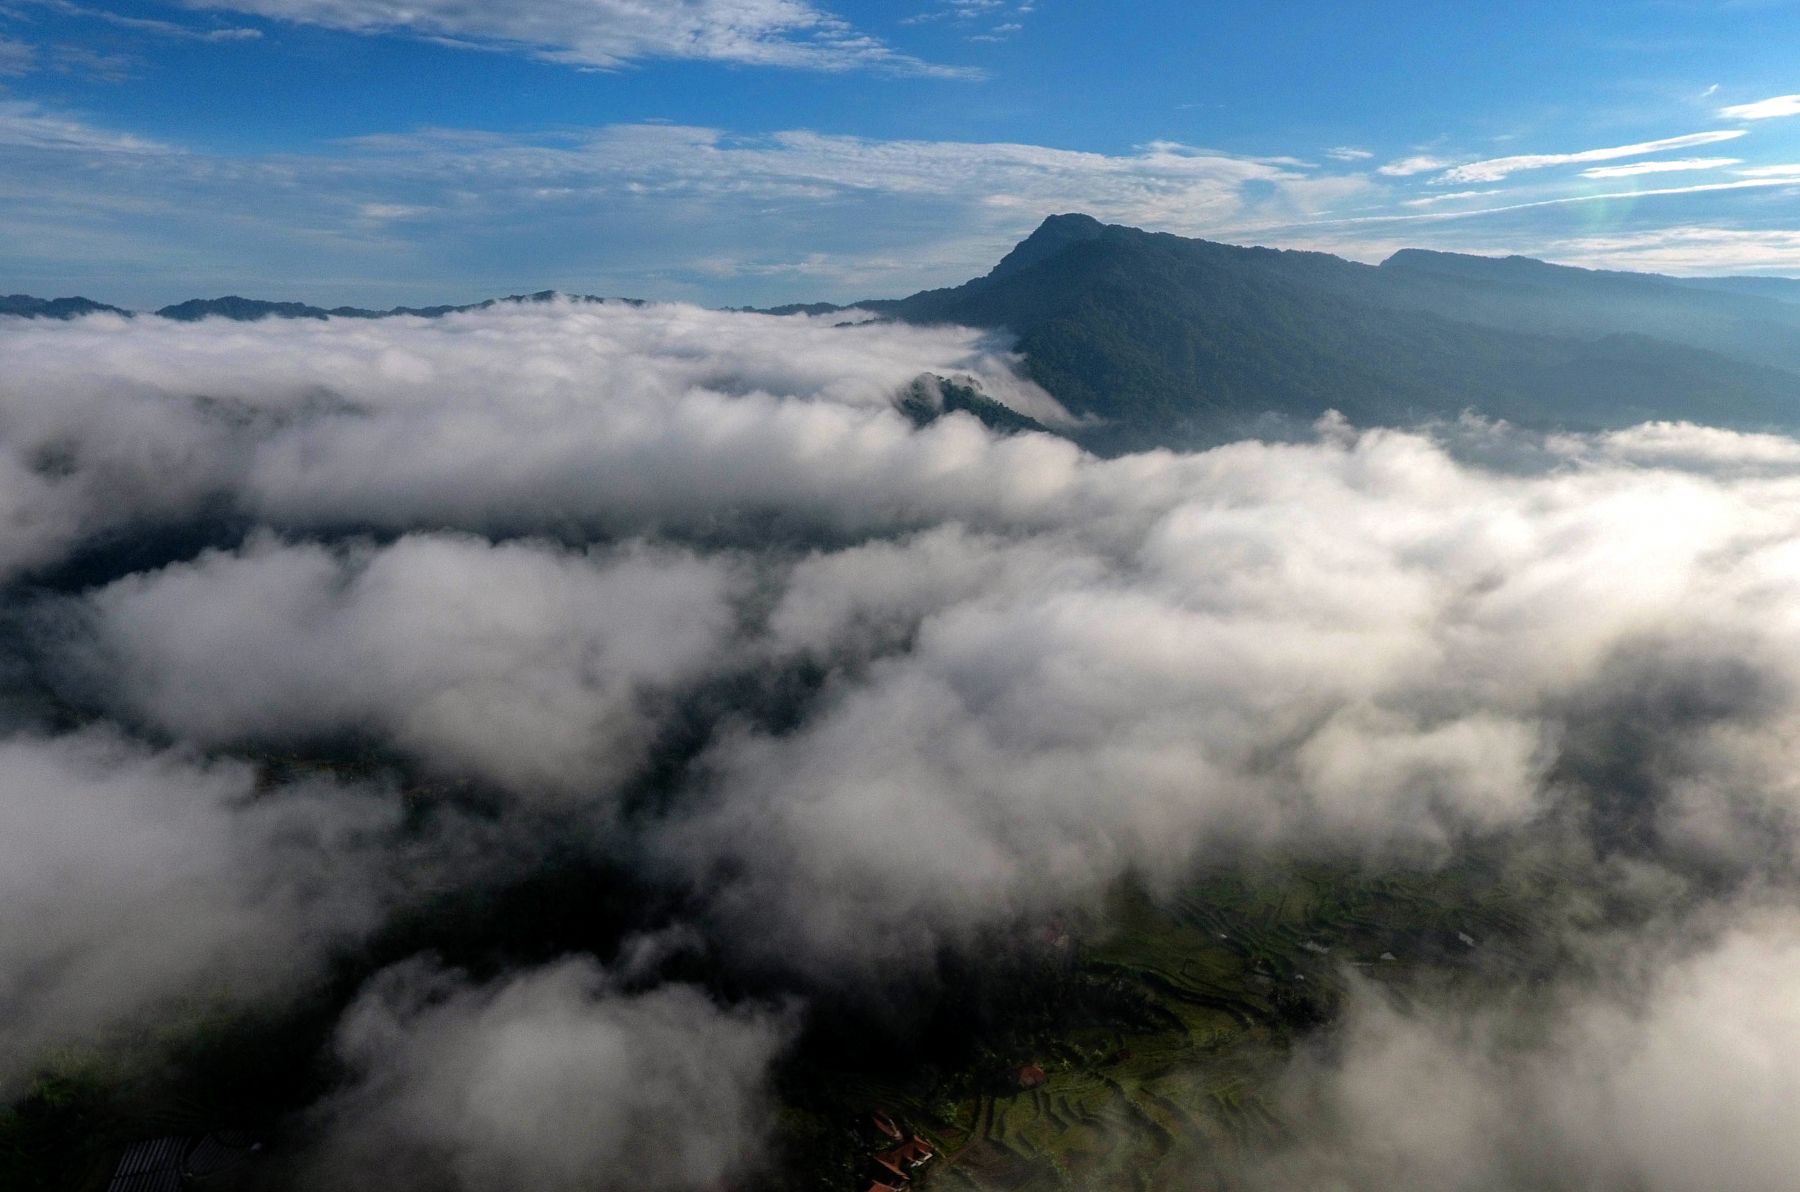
(732, 152)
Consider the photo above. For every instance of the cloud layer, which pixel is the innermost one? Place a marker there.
(139, 886)
(931, 682)
(533, 668)
(610, 33)
(1494, 169)
(840, 216)
(424, 215)
(1359, 644)
(1686, 1078)
(549, 1079)
(530, 418)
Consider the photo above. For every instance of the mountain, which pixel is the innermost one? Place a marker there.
(28, 307)
(248, 310)
(1153, 339)
(1166, 340)
(930, 397)
(1782, 289)
(1529, 295)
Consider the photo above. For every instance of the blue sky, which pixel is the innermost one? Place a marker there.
(753, 151)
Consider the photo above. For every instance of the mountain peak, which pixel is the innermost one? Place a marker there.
(28, 307)
(1463, 262)
(1052, 236)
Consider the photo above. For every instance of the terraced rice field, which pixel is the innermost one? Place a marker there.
(1236, 967)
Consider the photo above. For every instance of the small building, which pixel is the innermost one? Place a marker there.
(887, 1161)
(919, 1151)
(175, 1163)
(910, 1154)
(153, 1165)
(885, 1125)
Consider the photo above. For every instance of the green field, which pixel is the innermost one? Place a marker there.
(1210, 986)
(1162, 1021)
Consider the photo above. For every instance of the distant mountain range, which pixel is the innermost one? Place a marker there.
(1161, 339)
(249, 310)
(54, 308)
(1157, 339)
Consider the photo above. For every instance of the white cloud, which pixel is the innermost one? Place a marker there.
(1685, 249)
(612, 404)
(967, 12)
(1348, 153)
(1765, 109)
(1031, 718)
(882, 216)
(1451, 196)
(151, 25)
(416, 204)
(1052, 669)
(1672, 166)
(386, 211)
(1100, 655)
(1494, 169)
(131, 880)
(539, 669)
(1682, 1080)
(16, 57)
(1037, 671)
(1406, 167)
(997, 33)
(1742, 184)
(27, 125)
(551, 1079)
(610, 33)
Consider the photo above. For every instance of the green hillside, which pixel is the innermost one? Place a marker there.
(1168, 340)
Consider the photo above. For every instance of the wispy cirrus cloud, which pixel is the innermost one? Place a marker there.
(1496, 168)
(981, 20)
(431, 215)
(1686, 249)
(1001, 32)
(606, 34)
(150, 25)
(1763, 109)
(29, 126)
(865, 216)
(16, 57)
(1738, 184)
(72, 56)
(1406, 167)
(1672, 166)
(1452, 196)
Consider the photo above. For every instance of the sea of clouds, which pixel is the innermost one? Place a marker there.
(933, 681)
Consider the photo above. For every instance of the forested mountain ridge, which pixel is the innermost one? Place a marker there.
(1170, 340)
(1155, 339)
(250, 310)
(28, 307)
